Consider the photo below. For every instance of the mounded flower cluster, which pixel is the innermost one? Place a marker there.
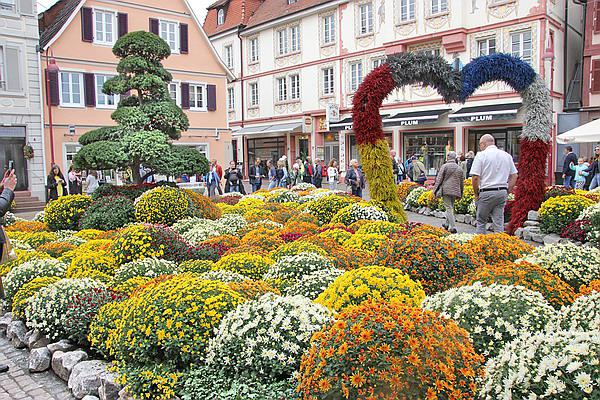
(66, 211)
(557, 212)
(326, 207)
(135, 243)
(288, 270)
(162, 205)
(385, 228)
(592, 228)
(498, 247)
(203, 207)
(404, 188)
(312, 285)
(30, 270)
(359, 211)
(367, 242)
(223, 276)
(283, 196)
(493, 315)
(583, 314)
(21, 298)
(148, 267)
(412, 200)
(253, 266)
(594, 286)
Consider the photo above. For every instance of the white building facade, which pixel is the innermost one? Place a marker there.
(292, 67)
(21, 139)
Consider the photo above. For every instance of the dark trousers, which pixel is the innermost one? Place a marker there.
(256, 186)
(357, 191)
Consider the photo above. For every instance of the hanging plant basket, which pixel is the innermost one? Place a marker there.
(28, 152)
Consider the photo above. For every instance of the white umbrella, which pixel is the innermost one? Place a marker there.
(588, 133)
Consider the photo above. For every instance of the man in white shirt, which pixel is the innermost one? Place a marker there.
(494, 177)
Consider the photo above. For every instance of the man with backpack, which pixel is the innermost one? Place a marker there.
(233, 179)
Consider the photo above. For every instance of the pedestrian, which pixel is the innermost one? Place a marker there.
(594, 169)
(233, 179)
(580, 172)
(568, 173)
(419, 171)
(333, 174)
(219, 171)
(395, 167)
(317, 179)
(449, 185)
(212, 179)
(272, 174)
(8, 184)
(91, 183)
(282, 173)
(409, 168)
(309, 170)
(56, 184)
(355, 178)
(74, 181)
(256, 175)
(296, 176)
(467, 163)
(494, 177)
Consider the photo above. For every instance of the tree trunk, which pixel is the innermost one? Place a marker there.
(135, 173)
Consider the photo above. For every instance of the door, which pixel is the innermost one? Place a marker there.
(11, 149)
(302, 148)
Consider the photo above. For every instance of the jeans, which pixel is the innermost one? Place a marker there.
(491, 204)
(357, 191)
(568, 183)
(449, 204)
(272, 184)
(595, 181)
(333, 185)
(256, 186)
(211, 190)
(283, 183)
(579, 185)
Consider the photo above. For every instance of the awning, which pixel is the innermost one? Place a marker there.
(346, 124)
(268, 129)
(587, 133)
(492, 112)
(415, 118)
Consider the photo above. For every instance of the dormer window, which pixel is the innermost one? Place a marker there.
(220, 16)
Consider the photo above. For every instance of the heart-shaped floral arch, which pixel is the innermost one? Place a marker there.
(408, 69)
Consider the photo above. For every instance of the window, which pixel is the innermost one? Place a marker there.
(203, 149)
(288, 40)
(228, 55)
(377, 62)
(329, 29)
(8, 5)
(521, 45)
(282, 42)
(105, 27)
(485, 47)
(10, 69)
(295, 34)
(328, 81)
(253, 45)
(365, 12)
(407, 10)
(221, 17)
(174, 92)
(104, 100)
(254, 94)
(70, 151)
(439, 6)
(434, 51)
(2, 70)
(169, 32)
(230, 99)
(70, 89)
(281, 89)
(197, 97)
(356, 75)
(295, 86)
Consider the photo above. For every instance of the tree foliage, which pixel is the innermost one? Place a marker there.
(147, 117)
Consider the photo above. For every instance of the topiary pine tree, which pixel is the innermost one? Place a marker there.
(148, 119)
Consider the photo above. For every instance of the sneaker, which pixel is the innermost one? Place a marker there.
(3, 368)
(453, 230)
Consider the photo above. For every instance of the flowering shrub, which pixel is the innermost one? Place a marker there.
(557, 212)
(359, 211)
(102, 329)
(326, 207)
(82, 310)
(148, 267)
(47, 309)
(302, 186)
(594, 286)
(27, 226)
(251, 265)
(493, 315)
(339, 235)
(203, 206)
(134, 243)
(460, 237)
(404, 188)
(172, 321)
(56, 249)
(381, 228)
(231, 224)
(196, 266)
(157, 381)
(592, 229)
(421, 229)
(30, 270)
(251, 289)
(498, 247)
(266, 337)
(295, 248)
(461, 206)
(229, 198)
(575, 265)
(66, 211)
(342, 257)
(263, 238)
(162, 205)
(372, 283)
(223, 276)
(380, 351)
(412, 200)
(33, 239)
(289, 269)
(98, 261)
(196, 230)
(22, 257)
(131, 284)
(435, 262)
(20, 299)
(576, 230)
(583, 314)
(312, 285)
(255, 215)
(556, 191)
(108, 213)
(423, 200)
(283, 196)
(552, 365)
(368, 242)
(556, 291)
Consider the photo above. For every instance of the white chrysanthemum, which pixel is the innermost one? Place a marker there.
(296, 266)
(26, 272)
(147, 267)
(312, 285)
(583, 314)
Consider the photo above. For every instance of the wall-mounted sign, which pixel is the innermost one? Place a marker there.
(332, 114)
(307, 124)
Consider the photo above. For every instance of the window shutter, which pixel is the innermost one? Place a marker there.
(123, 22)
(595, 76)
(596, 18)
(13, 69)
(52, 80)
(183, 39)
(185, 96)
(211, 97)
(87, 25)
(89, 83)
(154, 26)
(26, 7)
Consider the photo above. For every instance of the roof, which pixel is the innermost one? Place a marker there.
(53, 19)
(237, 13)
(275, 9)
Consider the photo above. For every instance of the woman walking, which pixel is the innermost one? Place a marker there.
(594, 169)
(332, 174)
(74, 181)
(56, 184)
(355, 178)
(92, 183)
(449, 185)
(282, 173)
(272, 174)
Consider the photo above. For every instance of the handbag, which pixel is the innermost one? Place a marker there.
(8, 253)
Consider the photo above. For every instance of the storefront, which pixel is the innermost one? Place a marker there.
(507, 139)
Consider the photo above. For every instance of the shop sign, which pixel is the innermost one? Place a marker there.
(332, 114)
(409, 122)
(342, 141)
(476, 118)
(307, 125)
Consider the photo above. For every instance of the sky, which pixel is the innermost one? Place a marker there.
(199, 6)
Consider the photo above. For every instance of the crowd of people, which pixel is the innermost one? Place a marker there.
(581, 172)
(57, 186)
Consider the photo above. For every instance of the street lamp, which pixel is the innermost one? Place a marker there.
(51, 67)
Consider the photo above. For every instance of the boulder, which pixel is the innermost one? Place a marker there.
(533, 216)
(16, 333)
(85, 378)
(89, 397)
(5, 320)
(63, 345)
(63, 363)
(39, 359)
(519, 233)
(36, 340)
(537, 237)
(468, 219)
(533, 229)
(526, 234)
(460, 218)
(552, 239)
(109, 388)
(531, 223)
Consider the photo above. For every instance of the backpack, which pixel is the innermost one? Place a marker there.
(233, 177)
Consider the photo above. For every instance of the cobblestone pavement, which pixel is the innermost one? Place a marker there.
(460, 227)
(19, 384)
